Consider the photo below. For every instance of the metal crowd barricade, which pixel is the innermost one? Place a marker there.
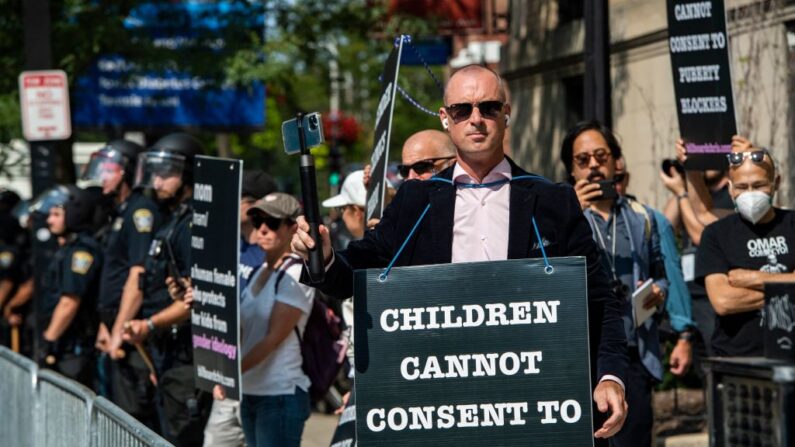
(114, 427)
(64, 411)
(41, 408)
(18, 376)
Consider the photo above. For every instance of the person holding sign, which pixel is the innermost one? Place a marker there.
(477, 213)
(627, 234)
(741, 252)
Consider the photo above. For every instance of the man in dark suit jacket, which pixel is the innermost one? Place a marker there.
(476, 116)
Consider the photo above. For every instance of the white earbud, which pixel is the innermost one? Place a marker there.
(445, 123)
(507, 120)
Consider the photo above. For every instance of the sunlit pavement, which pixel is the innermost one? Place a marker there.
(319, 429)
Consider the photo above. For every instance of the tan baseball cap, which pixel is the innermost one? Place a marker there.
(278, 205)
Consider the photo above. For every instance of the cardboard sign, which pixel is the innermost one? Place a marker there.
(485, 353)
(778, 317)
(699, 49)
(215, 251)
(44, 100)
(383, 129)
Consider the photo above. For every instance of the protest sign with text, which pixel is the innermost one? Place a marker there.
(383, 129)
(215, 253)
(699, 49)
(485, 353)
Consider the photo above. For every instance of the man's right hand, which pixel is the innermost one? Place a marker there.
(114, 345)
(302, 241)
(587, 192)
(103, 338)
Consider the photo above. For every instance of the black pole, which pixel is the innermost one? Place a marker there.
(597, 103)
(317, 269)
(38, 56)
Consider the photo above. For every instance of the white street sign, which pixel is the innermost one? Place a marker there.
(44, 99)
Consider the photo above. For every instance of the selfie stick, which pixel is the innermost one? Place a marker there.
(317, 269)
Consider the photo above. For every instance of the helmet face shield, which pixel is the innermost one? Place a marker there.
(53, 197)
(105, 168)
(159, 169)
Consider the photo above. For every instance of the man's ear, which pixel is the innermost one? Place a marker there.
(444, 119)
(776, 184)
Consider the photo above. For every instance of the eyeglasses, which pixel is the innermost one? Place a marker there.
(271, 222)
(601, 156)
(421, 167)
(737, 158)
(462, 111)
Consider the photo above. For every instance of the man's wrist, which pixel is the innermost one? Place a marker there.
(150, 325)
(681, 195)
(612, 378)
(686, 336)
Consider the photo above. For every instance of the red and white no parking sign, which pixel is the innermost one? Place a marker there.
(44, 99)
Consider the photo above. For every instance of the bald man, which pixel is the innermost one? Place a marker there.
(425, 154)
(483, 212)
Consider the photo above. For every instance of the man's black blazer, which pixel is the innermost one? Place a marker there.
(560, 222)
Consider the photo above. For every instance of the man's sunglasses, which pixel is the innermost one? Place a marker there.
(601, 156)
(271, 222)
(462, 111)
(736, 158)
(421, 167)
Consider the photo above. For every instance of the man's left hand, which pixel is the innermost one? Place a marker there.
(135, 331)
(681, 357)
(655, 298)
(609, 395)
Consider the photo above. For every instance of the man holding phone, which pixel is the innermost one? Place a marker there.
(625, 231)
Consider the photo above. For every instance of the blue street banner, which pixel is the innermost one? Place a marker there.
(483, 353)
(117, 92)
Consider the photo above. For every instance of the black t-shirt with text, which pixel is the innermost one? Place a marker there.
(734, 243)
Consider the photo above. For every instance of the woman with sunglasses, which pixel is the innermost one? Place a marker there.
(275, 403)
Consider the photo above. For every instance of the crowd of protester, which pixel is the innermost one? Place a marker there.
(116, 295)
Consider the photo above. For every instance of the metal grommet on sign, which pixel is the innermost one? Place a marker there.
(382, 277)
(549, 270)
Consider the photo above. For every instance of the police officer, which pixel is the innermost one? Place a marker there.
(71, 283)
(16, 270)
(167, 170)
(125, 244)
(11, 259)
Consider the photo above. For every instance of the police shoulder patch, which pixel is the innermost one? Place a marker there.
(143, 220)
(81, 262)
(118, 223)
(6, 259)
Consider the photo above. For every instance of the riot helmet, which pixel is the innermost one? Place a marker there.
(168, 161)
(111, 165)
(77, 205)
(8, 200)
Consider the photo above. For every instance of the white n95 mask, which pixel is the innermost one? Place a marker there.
(753, 205)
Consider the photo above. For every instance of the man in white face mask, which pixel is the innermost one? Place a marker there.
(733, 260)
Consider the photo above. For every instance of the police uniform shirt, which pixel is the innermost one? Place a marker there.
(126, 246)
(175, 233)
(9, 262)
(75, 271)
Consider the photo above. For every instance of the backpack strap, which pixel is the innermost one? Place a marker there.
(288, 262)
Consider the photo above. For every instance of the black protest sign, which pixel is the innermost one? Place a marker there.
(215, 250)
(486, 353)
(779, 321)
(383, 129)
(699, 49)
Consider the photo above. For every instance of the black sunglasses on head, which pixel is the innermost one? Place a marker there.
(736, 158)
(462, 111)
(271, 222)
(421, 167)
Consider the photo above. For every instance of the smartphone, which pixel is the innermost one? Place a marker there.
(608, 188)
(668, 163)
(313, 133)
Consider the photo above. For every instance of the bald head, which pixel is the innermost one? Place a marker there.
(471, 70)
(428, 145)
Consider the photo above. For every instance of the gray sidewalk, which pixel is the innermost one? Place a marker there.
(319, 429)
